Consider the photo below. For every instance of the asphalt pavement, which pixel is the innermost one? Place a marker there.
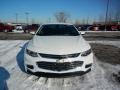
(89, 35)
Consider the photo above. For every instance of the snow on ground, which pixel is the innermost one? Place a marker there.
(13, 77)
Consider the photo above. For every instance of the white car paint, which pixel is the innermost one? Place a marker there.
(18, 31)
(58, 45)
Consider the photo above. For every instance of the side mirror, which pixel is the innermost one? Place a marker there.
(82, 32)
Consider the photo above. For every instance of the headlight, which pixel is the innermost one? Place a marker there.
(31, 53)
(86, 52)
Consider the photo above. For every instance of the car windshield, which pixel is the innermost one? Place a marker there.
(58, 30)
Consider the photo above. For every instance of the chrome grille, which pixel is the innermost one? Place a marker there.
(59, 66)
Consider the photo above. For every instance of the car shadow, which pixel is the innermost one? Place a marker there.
(20, 57)
(4, 75)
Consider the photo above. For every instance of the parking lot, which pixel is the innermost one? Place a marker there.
(89, 35)
(12, 61)
(100, 78)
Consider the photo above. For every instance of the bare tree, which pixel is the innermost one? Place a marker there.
(83, 21)
(33, 21)
(87, 20)
(62, 16)
(77, 22)
(101, 18)
(110, 17)
(117, 15)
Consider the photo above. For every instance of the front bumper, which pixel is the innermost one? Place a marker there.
(32, 66)
(52, 75)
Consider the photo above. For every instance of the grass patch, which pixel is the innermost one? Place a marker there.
(106, 53)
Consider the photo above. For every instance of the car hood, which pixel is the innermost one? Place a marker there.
(58, 45)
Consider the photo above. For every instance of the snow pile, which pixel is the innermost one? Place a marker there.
(11, 66)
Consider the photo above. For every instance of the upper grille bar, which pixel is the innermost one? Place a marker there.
(59, 56)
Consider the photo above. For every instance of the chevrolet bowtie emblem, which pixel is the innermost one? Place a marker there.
(60, 60)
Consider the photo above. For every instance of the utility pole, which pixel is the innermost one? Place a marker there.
(106, 16)
(27, 17)
(16, 15)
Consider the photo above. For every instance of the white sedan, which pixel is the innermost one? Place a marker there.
(18, 31)
(58, 49)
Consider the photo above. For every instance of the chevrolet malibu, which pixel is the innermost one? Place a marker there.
(58, 49)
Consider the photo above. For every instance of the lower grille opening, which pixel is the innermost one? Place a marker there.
(59, 66)
(88, 65)
(30, 66)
